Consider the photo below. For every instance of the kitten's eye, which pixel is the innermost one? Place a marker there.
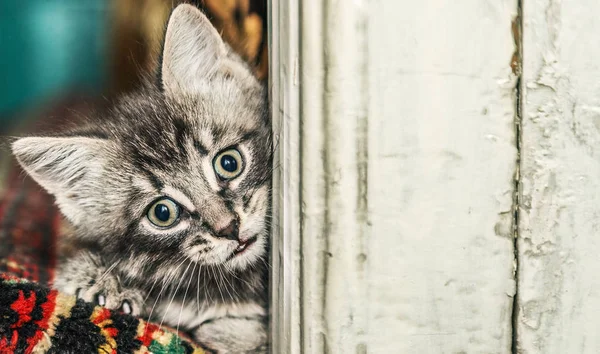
(228, 164)
(163, 213)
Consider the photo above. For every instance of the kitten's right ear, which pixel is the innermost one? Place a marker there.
(192, 50)
(67, 167)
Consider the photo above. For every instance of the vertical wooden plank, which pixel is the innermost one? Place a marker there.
(286, 254)
(442, 159)
(395, 195)
(314, 177)
(407, 162)
(334, 175)
(559, 290)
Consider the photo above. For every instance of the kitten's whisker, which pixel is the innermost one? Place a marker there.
(225, 282)
(109, 269)
(204, 284)
(165, 283)
(267, 263)
(232, 272)
(151, 288)
(271, 224)
(198, 287)
(174, 293)
(218, 282)
(157, 277)
(185, 295)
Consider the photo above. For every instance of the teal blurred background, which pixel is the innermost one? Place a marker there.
(50, 48)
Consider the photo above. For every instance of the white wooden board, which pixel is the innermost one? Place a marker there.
(407, 148)
(559, 246)
(442, 158)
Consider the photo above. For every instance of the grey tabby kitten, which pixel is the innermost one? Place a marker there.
(169, 194)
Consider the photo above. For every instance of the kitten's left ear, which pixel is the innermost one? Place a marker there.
(192, 49)
(70, 168)
(194, 53)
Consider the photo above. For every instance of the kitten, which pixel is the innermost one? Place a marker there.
(169, 194)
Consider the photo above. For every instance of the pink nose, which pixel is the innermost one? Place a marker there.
(230, 231)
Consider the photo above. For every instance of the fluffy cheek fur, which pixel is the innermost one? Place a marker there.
(206, 249)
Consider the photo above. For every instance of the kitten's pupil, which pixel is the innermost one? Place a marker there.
(162, 212)
(229, 163)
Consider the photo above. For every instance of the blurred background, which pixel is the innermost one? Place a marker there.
(62, 58)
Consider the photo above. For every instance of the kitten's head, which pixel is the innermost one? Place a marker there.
(179, 170)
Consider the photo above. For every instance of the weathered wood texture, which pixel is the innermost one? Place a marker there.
(559, 243)
(395, 211)
(442, 159)
(286, 253)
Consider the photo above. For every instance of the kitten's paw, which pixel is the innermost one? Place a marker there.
(129, 302)
(86, 277)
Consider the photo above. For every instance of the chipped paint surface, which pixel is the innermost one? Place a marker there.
(442, 157)
(395, 200)
(559, 290)
(408, 157)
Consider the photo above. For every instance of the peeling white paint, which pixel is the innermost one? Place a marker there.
(559, 290)
(395, 231)
(442, 158)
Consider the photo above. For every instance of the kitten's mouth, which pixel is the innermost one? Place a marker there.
(244, 246)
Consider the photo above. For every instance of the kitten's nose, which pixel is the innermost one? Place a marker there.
(230, 231)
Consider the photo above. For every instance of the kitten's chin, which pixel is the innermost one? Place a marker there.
(249, 255)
